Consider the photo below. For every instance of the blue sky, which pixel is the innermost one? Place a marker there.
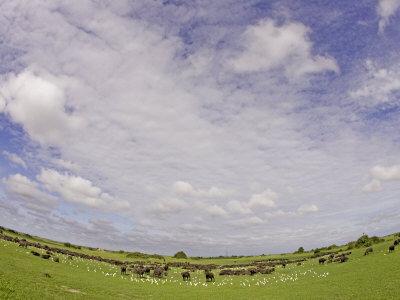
(242, 126)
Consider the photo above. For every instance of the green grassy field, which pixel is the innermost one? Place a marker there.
(23, 276)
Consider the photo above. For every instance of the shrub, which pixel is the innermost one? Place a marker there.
(300, 250)
(67, 245)
(363, 241)
(350, 245)
(180, 254)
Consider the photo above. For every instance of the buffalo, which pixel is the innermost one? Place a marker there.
(368, 250)
(322, 261)
(185, 276)
(391, 248)
(123, 270)
(209, 276)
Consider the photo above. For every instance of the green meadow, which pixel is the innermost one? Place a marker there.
(25, 276)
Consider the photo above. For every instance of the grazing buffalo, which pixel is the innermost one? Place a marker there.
(283, 265)
(185, 276)
(158, 272)
(322, 261)
(23, 244)
(123, 270)
(391, 248)
(368, 250)
(396, 242)
(209, 276)
(35, 253)
(56, 259)
(252, 271)
(139, 272)
(45, 256)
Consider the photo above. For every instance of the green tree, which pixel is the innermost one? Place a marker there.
(180, 254)
(300, 250)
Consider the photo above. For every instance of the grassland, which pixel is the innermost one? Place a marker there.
(24, 276)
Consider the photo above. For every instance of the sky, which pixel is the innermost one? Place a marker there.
(212, 127)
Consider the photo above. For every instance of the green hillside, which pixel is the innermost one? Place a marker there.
(26, 276)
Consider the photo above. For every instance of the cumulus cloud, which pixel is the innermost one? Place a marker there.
(186, 189)
(281, 213)
(79, 190)
(168, 206)
(27, 192)
(37, 104)
(265, 199)
(269, 46)
(212, 210)
(386, 9)
(307, 208)
(246, 222)
(238, 207)
(381, 173)
(194, 228)
(386, 173)
(379, 86)
(15, 158)
(373, 186)
(65, 164)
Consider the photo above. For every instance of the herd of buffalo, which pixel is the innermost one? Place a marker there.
(140, 268)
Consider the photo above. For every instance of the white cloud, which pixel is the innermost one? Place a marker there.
(183, 188)
(269, 46)
(386, 173)
(212, 210)
(238, 207)
(386, 9)
(22, 189)
(307, 208)
(186, 189)
(379, 86)
(246, 222)
(65, 164)
(373, 186)
(194, 228)
(79, 190)
(38, 105)
(281, 213)
(168, 206)
(14, 158)
(265, 199)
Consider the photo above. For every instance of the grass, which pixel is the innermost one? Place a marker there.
(23, 276)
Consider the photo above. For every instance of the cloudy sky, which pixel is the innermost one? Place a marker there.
(213, 127)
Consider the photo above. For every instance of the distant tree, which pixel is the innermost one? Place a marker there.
(300, 250)
(180, 254)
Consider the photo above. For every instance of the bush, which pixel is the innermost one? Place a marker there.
(365, 241)
(300, 250)
(69, 245)
(137, 254)
(180, 254)
(317, 251)
(350, 245)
